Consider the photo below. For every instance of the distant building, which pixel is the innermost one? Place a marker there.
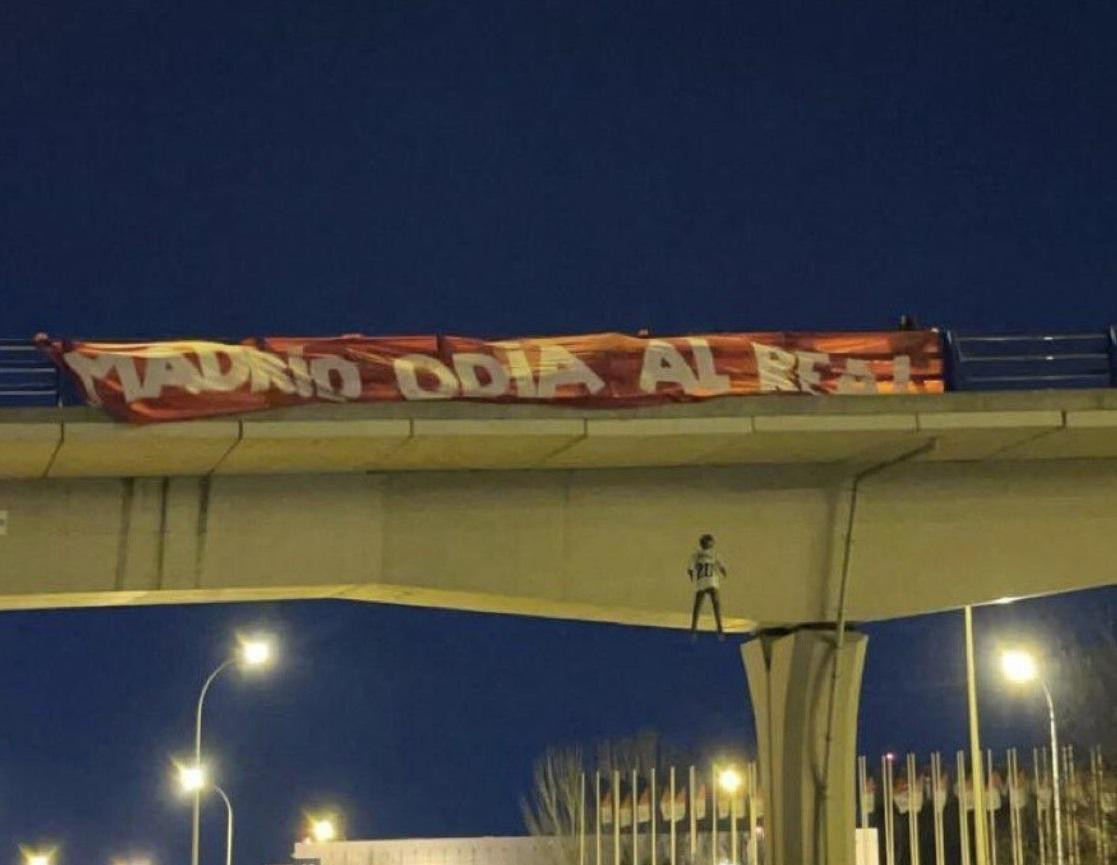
(427, 851)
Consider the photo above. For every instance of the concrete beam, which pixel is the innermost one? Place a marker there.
(604, 544)
(471, 436)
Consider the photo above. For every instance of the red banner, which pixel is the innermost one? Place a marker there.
(160, 381)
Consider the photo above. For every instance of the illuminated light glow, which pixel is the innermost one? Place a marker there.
(729, 780)
(1019, 666)
(255, 652)
(889, 756)
(323, 829)
(191, 778)
(1008, 599)
(37, 857)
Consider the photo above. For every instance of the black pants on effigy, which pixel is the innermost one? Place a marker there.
(713, 593)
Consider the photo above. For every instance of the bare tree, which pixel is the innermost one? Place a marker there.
(642, 752)
(553, 810)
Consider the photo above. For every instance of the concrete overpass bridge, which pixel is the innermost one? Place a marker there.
(963, 498)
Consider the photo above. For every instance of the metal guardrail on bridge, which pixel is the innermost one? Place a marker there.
(28, 378)
(1025, 362)
(975, 362)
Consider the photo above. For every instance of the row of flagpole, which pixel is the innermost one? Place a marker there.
(1081, 811)
(680, 801)
(742, 806)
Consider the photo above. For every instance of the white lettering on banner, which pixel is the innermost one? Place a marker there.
(516, 360)
(300, 373)
(267, 371)
(857, 378)
(213, 378)
(558, 367)
(466, 366)
(407, 370)
(91, 369)
(664, 363)
(201, 367)
(169, 370)
(809, 362)
(323, 369)
(708, 377)
(774, 368)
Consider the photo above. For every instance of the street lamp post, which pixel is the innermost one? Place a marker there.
(193, 780)
(228, 825)
(1019, 666)
(251, 653)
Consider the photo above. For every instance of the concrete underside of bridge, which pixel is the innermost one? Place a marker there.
(554, 512)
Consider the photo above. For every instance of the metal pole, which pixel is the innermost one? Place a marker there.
(980, 847)
(673, 848)
(1013, 813)
(963, 822)
(938, 797)
(582, 819)
(654, 804)
(1041, 828)
(616, 817)
(635, 817)
(228, 825)
(1103, 837)
(714, 815)
(889, 824)
(914, 804)
(732, 828)
(195, 834)
(693, 819)
(1071, 806)
(862, 791)
(1056, 785)
(754, 845)
(1096, 785)
(992, 816)
(597, 815)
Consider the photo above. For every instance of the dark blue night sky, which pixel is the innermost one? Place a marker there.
(493, 168)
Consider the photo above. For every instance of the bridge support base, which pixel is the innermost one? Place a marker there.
(789, 674)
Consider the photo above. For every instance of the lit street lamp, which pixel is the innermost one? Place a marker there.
(252, 653)
(1020, 667)
(323, 829)
(37, 857)
(193, 779)
(729, 780)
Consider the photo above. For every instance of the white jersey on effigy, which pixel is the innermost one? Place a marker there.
(707, 569)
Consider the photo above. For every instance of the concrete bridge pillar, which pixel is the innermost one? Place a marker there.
(810, 799)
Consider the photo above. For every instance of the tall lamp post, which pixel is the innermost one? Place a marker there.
(250, 654)
(193, 780)
(1021, 667)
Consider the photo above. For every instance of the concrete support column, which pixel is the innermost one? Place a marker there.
(809, 811)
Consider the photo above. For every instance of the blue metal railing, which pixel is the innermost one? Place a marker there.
(1023, 362)
(27, 376)
(973, 362)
